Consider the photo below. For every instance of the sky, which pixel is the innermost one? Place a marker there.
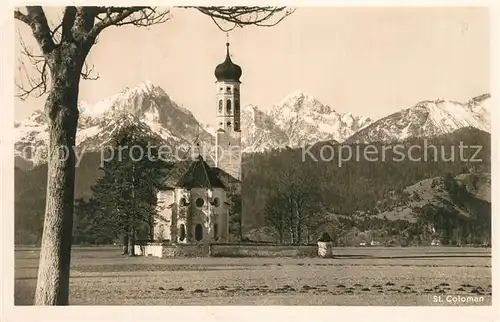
(367, 61)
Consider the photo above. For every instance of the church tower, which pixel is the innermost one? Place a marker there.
(228, 136)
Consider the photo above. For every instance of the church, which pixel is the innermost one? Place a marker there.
(195, 206)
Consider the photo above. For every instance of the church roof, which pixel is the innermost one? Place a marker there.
(227, 179)
(180, 168)
(199, 175)
(228, 71)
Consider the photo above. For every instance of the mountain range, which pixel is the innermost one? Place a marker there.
(428, 118)
(299, 119)
(146, 105)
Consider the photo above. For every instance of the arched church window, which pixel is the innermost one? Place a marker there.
(182, 234)
(236, 125)
(183, 202)
(228, 106)
(220, 124)
(198, 232)
(200, 202)
(216, 202)
(237, 107)
(228, 89)
(220, 106)
(228, 124)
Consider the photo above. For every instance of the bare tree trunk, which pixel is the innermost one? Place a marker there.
(281, 231)
(133, 225)
(292, 235)
(125, 242)
(299, 227)
(151, 230)
(132, 242)
(61, 108)
(240, 224)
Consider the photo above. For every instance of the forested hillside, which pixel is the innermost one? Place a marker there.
(342, 197)
(360, 186)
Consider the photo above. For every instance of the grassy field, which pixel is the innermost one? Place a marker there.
(356, 276)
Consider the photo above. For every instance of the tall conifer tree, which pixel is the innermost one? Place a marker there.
(125, 196)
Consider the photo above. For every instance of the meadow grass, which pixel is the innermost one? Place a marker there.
(356, 276)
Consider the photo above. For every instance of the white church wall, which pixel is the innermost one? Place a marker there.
(162, 224)
(227, 250)
(220, 209)
(228, 136)
(200, 214)
(182, 196)
(228, 152)
(149, 250)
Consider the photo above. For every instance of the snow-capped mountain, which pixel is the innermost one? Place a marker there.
(299, 119)
(31, 138)
(307, 121)
(258, 132)
(145, 105)
(428, 118)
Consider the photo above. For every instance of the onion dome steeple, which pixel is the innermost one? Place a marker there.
(228, 71)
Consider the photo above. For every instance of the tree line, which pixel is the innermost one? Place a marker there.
(294, 197)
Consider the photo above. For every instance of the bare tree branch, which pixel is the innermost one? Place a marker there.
(82, 25)
(67, 23)
(86, 72)
(22, 17)
(55, 32)
(38, 85)
(245, 16)
(119, 16)
(37, 21)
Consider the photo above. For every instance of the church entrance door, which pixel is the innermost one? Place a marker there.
(198, 232)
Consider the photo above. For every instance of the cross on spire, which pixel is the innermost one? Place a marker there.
(227, 46)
